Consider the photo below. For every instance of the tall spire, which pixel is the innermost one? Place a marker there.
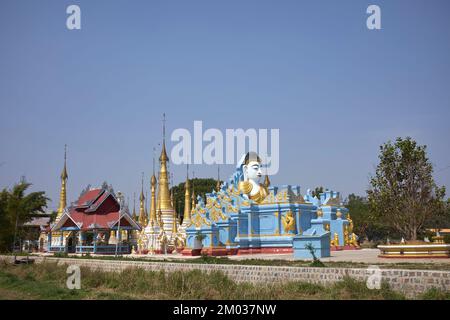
(171, 191)
(142, 219)
(153, 200)
(187, 197)
(193, 193)
(163, 188)
(63, 192)
(147, 217)
(218, 179)
(174, 225)
(134, 216)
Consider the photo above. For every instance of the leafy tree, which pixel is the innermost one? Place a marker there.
(403, 194)
(201, 187)
(366, 225)
(317, 191)
(17, 208)
(441, 220)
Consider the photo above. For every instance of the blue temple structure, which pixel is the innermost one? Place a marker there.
(285, 221)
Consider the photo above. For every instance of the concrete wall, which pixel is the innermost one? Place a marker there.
(409, 282)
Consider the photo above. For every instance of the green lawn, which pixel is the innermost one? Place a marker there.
(47, 281)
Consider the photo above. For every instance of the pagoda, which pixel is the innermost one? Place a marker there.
(161, 234)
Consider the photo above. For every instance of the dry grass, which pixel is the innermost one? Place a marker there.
(47, 281)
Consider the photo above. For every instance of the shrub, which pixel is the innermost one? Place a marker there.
(447, 238)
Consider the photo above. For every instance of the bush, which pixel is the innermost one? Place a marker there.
(60, 255)
(447, 238)
(435, 294)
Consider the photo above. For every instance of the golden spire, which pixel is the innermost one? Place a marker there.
(163, 188)
(62, 194)
(218, 179)
(193, 194)
(174, 225)
(266, 181)
(171, 191)
(134, 216)
(146, 207)
(160, 220)
(153, 200)
(187, 198)
(142, 218)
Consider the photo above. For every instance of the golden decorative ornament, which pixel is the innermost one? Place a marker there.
(319, 213)
(245, 187)
(288, 222)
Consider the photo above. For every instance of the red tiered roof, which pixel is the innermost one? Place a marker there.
(95, 209)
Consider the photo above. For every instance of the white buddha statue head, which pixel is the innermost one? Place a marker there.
(252, 167)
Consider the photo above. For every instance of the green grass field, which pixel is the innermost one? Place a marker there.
(48, 281)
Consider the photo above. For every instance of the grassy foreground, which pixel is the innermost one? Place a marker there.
(444, 266)
(48, 281)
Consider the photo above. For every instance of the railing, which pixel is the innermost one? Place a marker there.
(104, 249)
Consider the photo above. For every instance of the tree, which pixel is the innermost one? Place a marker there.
(403, 193)
(17, 207)
(201, 188)
(441, 220)
(366, 225)
(317, 191)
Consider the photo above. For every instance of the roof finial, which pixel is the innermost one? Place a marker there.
(154, 150)
(187, 171)
(63, 195)
(134, 216)
(193, 176)
(164, 126)
(64, 174)
(218, 179)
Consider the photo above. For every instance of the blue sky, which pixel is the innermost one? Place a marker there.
(335, 89)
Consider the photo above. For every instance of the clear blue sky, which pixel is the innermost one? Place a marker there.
(312, 69)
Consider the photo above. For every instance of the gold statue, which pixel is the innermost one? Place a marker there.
(354, 241)
(335, 242)
(319, 213)
(350, 223)
(288, 222)
(346, 236)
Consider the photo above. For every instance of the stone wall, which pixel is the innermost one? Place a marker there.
(409, 282)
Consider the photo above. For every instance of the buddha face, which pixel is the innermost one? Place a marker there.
(252, 170)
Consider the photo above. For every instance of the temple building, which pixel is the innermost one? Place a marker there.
(162, 232)
(240, 216)
(98, 222)
(243, 216)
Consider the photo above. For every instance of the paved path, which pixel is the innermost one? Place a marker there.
(363, 256)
